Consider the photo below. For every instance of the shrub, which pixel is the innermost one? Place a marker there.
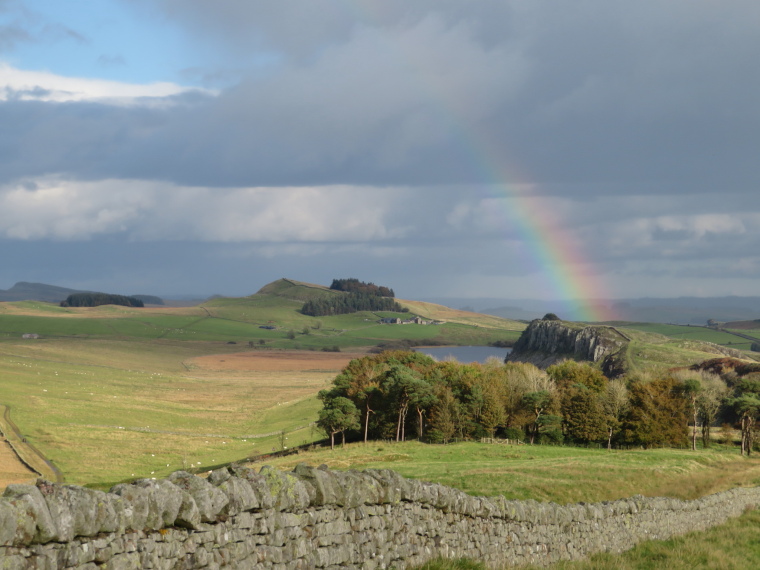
(514, 433)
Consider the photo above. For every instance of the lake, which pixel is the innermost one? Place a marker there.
(465, 354)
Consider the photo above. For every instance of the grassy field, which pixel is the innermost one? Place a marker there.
(113, 393)
(547, 473)
(241, 320)
(106, 410)
(693, 333)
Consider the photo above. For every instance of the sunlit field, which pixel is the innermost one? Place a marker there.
(105, 410)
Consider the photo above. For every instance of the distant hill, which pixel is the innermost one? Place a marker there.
(293, 290)
(681, 310)
(24, 291)
(742, 325)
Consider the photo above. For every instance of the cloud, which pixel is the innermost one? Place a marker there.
(23, 85)
(61, 209)
(591, 100)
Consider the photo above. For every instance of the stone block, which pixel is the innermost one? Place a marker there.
(209, 500)
(34, 522)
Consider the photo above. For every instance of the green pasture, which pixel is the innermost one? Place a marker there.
(695, 333)
(548, 473)
(105, 410)
(236, 321)
(649, 356)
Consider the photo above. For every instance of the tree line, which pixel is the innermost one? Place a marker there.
(353, 285)
(400, 395)
(97, 299)
(350, 303)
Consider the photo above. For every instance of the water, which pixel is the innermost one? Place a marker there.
(465, 354)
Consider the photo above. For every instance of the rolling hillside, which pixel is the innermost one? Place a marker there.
(270, 318)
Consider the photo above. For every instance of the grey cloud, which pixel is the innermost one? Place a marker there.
(622, 97)
(302, 28)
(10, 36)
(595, 97)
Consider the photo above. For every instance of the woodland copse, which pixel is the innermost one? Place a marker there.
(401, 395)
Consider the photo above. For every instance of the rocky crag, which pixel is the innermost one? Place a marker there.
(546, 342)
(315, 518)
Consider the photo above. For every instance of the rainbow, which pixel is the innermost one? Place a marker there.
(565, 273)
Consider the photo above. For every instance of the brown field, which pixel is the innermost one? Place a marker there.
(449, 315)
(11, 469)
(277, 361)
(743, 325)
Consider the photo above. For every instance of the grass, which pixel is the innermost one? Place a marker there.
(105, 410)
(241, 321)
(693, 333)
(547, 473)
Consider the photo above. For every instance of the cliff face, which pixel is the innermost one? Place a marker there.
(547, 342)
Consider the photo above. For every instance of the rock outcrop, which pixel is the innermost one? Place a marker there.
(547, 342)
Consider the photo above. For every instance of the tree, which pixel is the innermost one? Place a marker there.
(537, 402)
(584, 419)
(445, 412)
(570, 372)
(692, 388)
(361, 376)
(422, 398)
(519, 379)
(338, 415)
(746, 404)
(402, 386)
(616, 405)
(658, 414)
(492, 414)
(714, 392)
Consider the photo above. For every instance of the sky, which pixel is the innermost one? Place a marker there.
(595, 149)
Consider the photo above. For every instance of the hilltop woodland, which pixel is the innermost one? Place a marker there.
(97, 299)
(357, 296)
(400, 395)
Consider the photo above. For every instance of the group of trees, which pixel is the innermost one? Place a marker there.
(352, 285)
(359, 296)
(97, 299)
(399, 395)
(350, 303)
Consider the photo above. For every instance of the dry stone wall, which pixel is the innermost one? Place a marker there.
(315, 518)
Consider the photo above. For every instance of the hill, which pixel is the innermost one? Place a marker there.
(270, 318)
(683, 310)
(24, 291)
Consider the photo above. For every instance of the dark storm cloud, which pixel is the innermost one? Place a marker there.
(595, 93)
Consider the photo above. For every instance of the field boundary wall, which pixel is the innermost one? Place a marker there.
(316, 518)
